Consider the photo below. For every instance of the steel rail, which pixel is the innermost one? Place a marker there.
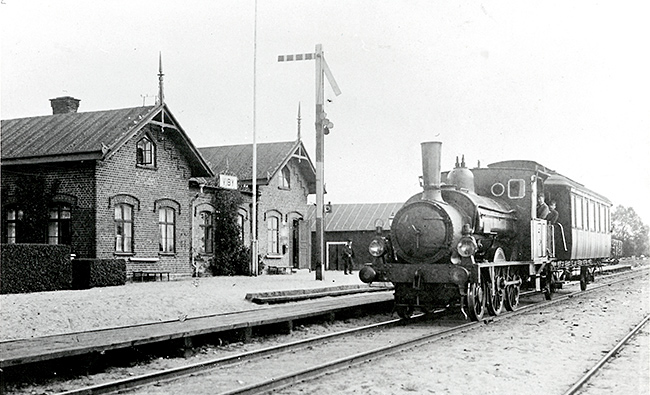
(574, 389)
(173, 373)
(366, 356)
(276, 383)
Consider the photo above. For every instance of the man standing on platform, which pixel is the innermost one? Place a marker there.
(348, 257)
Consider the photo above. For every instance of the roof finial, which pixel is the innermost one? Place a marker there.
(161, 96)
(299, 119)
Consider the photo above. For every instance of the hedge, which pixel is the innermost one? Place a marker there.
(34, 268)
(88, 273)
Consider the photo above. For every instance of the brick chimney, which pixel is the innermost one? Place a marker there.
(64, 105)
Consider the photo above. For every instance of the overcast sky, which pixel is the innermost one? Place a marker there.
(562, 83)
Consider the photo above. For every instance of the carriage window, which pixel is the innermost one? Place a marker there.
(592, 215)
(516, 189)
(585, 224)
(578, 212)
(573, 211)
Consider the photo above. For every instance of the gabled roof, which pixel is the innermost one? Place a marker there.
(271, 158)
(92, 135)
(356, 216)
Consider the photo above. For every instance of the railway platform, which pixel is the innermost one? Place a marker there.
(280, 300)
(243, 304)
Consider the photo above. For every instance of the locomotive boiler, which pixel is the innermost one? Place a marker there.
(471, 238)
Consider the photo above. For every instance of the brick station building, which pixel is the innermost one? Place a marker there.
(116, 183)
(285, 178)
(129, 183)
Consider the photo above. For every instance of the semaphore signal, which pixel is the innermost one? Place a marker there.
(323, 126)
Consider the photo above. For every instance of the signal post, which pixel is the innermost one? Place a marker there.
(323, 126)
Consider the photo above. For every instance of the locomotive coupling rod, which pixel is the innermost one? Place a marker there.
(516, 282)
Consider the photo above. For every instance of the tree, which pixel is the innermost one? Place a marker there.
(231, 257)
(628, 227)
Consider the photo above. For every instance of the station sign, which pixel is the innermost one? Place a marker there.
(227, 182)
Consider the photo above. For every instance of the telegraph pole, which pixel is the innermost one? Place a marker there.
(323, 126)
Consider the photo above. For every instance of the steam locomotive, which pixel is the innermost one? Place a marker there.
(472, 237)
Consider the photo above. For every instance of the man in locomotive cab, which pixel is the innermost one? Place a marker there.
(553, 215)
(542, 208)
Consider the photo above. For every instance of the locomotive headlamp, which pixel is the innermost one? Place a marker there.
(377, 247)
(467, 246)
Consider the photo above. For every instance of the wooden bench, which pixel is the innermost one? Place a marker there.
(277, 269)
(146, 274)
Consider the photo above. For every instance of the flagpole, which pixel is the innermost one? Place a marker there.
(254, 245)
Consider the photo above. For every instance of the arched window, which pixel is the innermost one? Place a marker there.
(146, 152)
(13, 218)
(240, 222)
(167, 225)
(123, 228)
(58, 225)
(272, 235)
(285, 178)
(206, 223)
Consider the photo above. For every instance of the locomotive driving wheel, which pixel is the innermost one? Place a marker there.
(511, 301)
(496, 299)
(475, 301)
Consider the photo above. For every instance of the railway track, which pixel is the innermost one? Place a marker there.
(263, 371)
(577, 387)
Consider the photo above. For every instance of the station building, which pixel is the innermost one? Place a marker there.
(285, 178)
(129, 183)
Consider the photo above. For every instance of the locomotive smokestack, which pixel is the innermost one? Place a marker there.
(431, 170)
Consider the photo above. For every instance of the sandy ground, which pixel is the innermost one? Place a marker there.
(47, 313)
(542, 352)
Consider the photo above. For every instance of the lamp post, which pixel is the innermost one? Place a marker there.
(323, 126)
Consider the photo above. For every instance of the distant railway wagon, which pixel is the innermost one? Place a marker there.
(617, 250)
(478, 236)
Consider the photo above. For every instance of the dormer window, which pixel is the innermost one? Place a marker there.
(285, 178)
(146, 152)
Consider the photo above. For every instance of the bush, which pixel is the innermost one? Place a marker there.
(34, 268)
(88, 273)
(231, 263)
(231, 257)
